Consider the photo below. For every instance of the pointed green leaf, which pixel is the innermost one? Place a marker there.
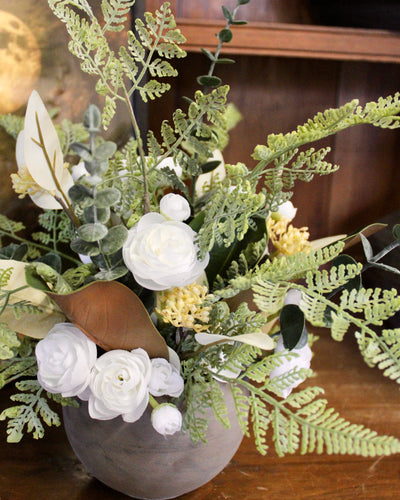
(292, 323)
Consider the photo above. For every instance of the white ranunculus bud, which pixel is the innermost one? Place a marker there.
(165, 379)
(174, 207)
(169, 163)
(287, 210)
(162, 254)
(119, 385)
(65, 358)
(166, 419)
(301, 359)
(292, 297)
(207, 181)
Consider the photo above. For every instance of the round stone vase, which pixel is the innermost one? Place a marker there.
(134, 459)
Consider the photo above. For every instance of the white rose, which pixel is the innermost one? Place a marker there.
(166, 419)
(162, 254)
(302, 359)
(119, 385)
(174, 207)
(165, 379)
(65, 358)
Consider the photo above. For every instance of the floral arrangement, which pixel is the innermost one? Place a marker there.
(158, 273)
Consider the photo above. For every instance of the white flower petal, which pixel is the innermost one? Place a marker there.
(35, 158)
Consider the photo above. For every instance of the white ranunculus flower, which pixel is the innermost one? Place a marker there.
(287, 210)
(119, 385)
(174, 207)
(166, 419)
(165, 379)
(162, 254)
(302, 360)
(65, 358)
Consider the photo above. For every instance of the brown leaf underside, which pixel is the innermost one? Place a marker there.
(113, 316)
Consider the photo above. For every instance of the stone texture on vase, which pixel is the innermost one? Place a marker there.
(134, 459)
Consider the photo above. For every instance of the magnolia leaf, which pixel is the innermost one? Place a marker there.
(113, 316)
(353, 239)
(40, 129)
(328, 240)
(257, 339)
(32, 325)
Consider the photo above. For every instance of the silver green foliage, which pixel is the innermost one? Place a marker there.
(120, 75)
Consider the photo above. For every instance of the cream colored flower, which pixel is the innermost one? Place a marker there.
(42, 173)
(162, 253)
(287, 239)
(183, 307)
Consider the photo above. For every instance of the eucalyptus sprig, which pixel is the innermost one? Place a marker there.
(224, 36)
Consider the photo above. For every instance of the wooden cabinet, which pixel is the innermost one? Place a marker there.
(288, 69)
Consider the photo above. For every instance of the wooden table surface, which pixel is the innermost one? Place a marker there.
(48, 469)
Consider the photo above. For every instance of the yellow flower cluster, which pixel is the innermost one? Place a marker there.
(23, 183)
(287, 239)
(183, 307)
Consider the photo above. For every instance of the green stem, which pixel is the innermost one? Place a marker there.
(153, 402)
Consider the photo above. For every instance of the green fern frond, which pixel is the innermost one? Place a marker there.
(115, 13)
(218, 403)
(260, 418)
(326, 281)
(242, 407)
(5, 275)
(10, 227)
(30, 414)
(8, 342)
(12, 124)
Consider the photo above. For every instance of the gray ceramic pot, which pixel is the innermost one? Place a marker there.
(136, 460)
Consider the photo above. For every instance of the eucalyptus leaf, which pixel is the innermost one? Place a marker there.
(227, 14)
(93, 214)
(92, 119)
(225, 35)
(105, 150)
(239, 23)
(209, 81)
(225, 60)
(79, 193)
(208, 54)
(85, 248)
(92, 232)
(114, 240)
(292, 323)
(82, 151)
(107, 197)
(111, 274)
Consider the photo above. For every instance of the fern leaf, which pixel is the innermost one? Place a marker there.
(260, 418)
(115, 13)
(8, 341)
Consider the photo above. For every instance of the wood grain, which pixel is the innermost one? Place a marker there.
(48, 469)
